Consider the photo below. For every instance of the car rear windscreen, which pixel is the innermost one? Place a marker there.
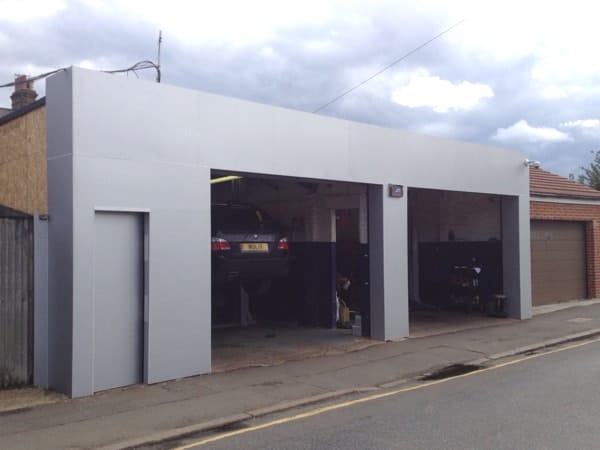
(224, 218)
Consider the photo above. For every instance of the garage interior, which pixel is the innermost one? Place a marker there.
(455, 260)
(295, 315)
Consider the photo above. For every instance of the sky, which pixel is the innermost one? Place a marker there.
(523, 75)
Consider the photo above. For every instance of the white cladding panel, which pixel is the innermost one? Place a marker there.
(122, 118)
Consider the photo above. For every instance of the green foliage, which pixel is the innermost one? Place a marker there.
(591, 174)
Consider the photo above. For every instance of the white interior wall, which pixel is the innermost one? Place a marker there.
(306, 213)
(438, 216)
(449, 215)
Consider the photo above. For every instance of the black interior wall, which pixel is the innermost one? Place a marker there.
(307, 295)
(437, 259)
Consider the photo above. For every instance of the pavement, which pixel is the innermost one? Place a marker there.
(139, 415)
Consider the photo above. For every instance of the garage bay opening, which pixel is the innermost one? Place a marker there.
(289, 268)
(455, 260)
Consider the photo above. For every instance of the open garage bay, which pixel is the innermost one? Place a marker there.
(289, 269)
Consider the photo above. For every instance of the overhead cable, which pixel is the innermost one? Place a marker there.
(392, 64)
(140, 65)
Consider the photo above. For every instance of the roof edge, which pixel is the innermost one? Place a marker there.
(550, 195)
(7, 212)
(22, 111)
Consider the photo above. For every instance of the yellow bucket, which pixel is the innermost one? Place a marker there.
(344, 312)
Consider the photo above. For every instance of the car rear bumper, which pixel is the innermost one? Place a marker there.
(248, 269)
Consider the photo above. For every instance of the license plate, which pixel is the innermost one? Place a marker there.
(259, 247)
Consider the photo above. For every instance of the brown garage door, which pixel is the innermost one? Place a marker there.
(557, 261)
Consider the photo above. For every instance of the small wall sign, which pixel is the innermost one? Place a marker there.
(396, 190)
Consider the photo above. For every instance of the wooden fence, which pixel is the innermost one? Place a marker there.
(16, 301)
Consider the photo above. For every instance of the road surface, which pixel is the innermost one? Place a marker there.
(550, 401)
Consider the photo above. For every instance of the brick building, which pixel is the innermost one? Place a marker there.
(565, 239)
(23, 174)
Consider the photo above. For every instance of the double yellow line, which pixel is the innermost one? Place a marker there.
(370, 398)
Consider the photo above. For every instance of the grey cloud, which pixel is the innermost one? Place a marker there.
(299, 78)
(73, 35)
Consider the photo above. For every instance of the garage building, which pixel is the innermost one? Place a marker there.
(565, 239)
(130, 165)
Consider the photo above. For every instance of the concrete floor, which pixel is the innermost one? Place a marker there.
(261, 345)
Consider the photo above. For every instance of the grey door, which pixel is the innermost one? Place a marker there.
(118, 300)
(558, 270)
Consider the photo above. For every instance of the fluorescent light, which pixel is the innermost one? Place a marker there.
(224, 179)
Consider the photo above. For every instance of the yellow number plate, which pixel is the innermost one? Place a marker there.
(254, 247)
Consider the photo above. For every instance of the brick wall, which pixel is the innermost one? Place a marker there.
(590, 214)
(23, 182)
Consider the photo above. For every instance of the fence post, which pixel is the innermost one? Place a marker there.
(40, 288)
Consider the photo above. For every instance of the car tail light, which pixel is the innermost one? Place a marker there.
(283, 244)
(219, 245)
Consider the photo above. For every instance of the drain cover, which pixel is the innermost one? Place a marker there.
(451, 371)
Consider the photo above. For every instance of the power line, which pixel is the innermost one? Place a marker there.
(402, 58)
(140, 65)
(37, 77)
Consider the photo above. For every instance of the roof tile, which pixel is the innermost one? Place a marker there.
(543, 183)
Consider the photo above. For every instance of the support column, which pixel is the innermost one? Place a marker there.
(388, 236)
(516, 251)
(592, 256)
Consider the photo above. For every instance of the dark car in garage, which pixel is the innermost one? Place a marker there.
(246, 245)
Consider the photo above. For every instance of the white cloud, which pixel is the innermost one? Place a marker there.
(588, 127)
(441, 129)
(236, 23)
(87, 64)
(553, 92)
(25, 10)
(266, 52)
(582, 123)
(440, 95)
(323, 46)
(523, 132)
(555, 38)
